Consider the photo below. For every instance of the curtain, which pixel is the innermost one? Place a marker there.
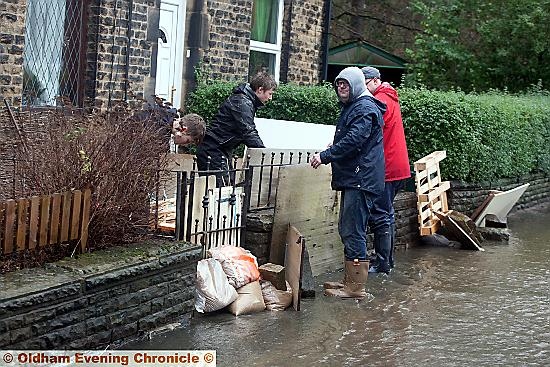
(261, 19)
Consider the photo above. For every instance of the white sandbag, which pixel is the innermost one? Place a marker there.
(275, 299)
(249, 300)
(213, 289)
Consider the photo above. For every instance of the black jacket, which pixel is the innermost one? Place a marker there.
(233, 124)
(357, 154)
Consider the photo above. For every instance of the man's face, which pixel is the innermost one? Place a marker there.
(342, 89)
(372, 84)
(264, 95)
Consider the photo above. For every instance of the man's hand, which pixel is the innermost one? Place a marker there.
(315, 160)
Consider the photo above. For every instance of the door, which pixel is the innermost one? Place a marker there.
(170, 51)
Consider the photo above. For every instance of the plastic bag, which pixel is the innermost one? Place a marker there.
(275, 299)
(213, 289)
(240, 266)
(250, 300)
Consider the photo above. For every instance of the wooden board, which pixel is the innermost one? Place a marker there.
(306, 200)
(463, 237)
(261, 195)
(294, 256)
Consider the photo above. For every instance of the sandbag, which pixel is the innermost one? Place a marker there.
(249, 300)
(275, 299)
(240, 266)
(213, 289)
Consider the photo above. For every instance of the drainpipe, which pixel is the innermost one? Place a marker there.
(328, 15)
(196, 41)
(128, 48)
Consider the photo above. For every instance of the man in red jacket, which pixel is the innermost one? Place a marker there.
(382, 222)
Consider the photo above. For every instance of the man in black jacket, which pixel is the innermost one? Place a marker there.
(233, 125)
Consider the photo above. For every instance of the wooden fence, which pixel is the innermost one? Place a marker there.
(39, 221)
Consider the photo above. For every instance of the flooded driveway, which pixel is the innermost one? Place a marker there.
(440, 307)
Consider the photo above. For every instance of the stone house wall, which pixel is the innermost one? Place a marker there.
(12, 41)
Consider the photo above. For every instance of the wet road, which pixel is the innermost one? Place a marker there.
(440, 307)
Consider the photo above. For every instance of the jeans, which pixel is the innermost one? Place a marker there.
(355, 210)
(382, 214)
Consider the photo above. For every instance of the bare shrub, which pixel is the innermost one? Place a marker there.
(116, 154)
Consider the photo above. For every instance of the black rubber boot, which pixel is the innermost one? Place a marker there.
(393, 231)
(382, 245)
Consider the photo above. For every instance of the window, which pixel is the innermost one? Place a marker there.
(53, 53)
(265, 37)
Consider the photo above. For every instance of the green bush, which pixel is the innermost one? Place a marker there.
(486, 136)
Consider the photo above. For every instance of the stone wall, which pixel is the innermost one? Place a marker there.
(100, 299)
(107, 46)
(304, 39)
(12, 42)
(229, 39)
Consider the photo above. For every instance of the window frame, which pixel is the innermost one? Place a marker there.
(272, 48)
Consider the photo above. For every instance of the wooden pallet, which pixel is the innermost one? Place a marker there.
(431, 191)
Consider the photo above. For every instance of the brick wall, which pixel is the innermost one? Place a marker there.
(304, 36)
(12, 42)
(95, 303)
(229, 39)
(106, 50)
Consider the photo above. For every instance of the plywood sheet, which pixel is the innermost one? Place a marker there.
(306, 200)
(261, 195)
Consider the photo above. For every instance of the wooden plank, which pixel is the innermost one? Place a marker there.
(33, 222)
(294, 256)
(430, 160)
(9, 226)
(437, 191)
(44, 219)
(305, 199)
(75, 214)
(86, 202)
(459, 233)
(65, 217)
(55, 222)
(430, 229)
(22, 207)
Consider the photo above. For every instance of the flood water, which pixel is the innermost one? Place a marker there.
(440, 307)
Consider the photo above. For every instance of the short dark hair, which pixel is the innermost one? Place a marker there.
(262, 80)
(196, 127)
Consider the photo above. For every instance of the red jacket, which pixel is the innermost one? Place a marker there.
(395, 146)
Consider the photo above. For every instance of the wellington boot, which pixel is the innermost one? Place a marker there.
(356, 274)
(334, 285)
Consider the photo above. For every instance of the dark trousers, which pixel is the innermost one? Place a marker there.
(382, 214)
(355, 210)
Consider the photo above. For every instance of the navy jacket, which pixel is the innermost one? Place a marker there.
(357, 153)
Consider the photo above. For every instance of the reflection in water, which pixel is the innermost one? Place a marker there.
(440, 307)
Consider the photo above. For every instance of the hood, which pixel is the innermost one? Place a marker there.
(248, 92)
(354, 76)
(388, 90)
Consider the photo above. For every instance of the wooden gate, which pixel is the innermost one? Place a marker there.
(39, 221)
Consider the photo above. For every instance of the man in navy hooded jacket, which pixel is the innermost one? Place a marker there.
(357, 160)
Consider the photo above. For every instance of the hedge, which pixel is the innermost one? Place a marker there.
(486, 136)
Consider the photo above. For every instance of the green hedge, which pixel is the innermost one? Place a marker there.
(486, 136)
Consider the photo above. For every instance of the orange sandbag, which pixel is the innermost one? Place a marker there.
(240, 266)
